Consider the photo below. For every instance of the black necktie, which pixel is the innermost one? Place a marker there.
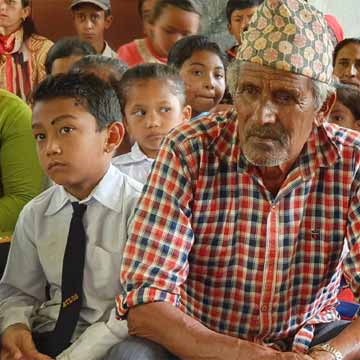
(71, 287)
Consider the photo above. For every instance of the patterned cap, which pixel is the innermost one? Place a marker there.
(289, 35)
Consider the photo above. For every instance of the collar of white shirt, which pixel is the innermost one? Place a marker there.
(105, 193)
(108, 51)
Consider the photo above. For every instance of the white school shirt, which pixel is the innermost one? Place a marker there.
(135, 164)
(109, 52)
(36, 258)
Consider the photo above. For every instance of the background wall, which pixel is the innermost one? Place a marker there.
(53, 19)
(346, 11)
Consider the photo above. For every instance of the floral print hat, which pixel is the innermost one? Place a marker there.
(289, 35)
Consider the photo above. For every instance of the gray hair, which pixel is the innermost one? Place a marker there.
(113, 66)
(321, 91)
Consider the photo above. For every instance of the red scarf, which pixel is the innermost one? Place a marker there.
(7, 43)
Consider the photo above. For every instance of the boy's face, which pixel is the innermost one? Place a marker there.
(151, 111)
(71, 149)
(90, 24)
(147, 8)
(204, 77)
(342, 116)
(239, 22)
(172, 25)
(11, 14)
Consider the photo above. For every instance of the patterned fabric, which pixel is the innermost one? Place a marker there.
(289, 35)
(22, 65)
(209, 237)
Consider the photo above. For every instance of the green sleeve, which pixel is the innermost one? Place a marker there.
(21, 175)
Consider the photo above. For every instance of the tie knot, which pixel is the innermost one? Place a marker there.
(79, 209)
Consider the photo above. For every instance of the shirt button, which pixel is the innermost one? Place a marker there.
(264, 308)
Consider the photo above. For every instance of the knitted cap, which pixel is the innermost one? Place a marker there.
(289, 35)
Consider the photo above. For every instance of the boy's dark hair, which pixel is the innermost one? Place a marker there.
(349, 96)
(342, 44)
(233, 5)
(65, 47)
(150, 71)
(140, 7)
(183, 49)
(95, 95)
(186, 5)
(78, 6)
(115, 68)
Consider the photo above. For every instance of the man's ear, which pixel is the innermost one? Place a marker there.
(115, 135)
(108, 21)
(229, 28)
(187, 113)
(323, 114)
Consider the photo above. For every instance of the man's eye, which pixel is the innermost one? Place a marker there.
(248, 90)
(197, 73)
(219, 76)
(66, 130)
(165, 109)
(336, 118)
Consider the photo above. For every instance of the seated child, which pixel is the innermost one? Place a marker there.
(91, 19)
(152, 98)
(346, 111)
(64, 53)
(110, 70)
(170, 21)
(202, 65)
(239, 13)
(70, 236)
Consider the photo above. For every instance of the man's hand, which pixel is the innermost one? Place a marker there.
(17, 344)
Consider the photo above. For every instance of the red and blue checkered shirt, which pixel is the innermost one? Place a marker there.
(208, 236)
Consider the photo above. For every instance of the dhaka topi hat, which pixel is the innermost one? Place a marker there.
(289, 35)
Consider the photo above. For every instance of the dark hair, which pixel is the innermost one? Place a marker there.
(95, 95)
(349, 96)
(66, 47)
(183, 49)
(113, 67)
(140, 7)
(78, 6)
(186, 5)
(28, 24)
(233, 5)
(342, 44)
(151, 71)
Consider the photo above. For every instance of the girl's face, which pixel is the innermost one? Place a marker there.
(172, 25)
(342, 116)
(204, 77)
(12, 14)
(151, 111)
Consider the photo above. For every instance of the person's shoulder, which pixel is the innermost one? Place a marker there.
(122, 184)
(37, 42)
(11, 98)
(343, 137)
(13, 109)
(129, 53)
(40, 203)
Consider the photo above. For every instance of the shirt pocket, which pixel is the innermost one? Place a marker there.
(102, 272)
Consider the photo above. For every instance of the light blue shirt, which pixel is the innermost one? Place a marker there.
(36, 258)
(135, 164)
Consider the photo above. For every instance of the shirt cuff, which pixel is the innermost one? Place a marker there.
(14, 316)
(143, 296)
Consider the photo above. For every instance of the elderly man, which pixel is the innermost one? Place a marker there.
(237, 242)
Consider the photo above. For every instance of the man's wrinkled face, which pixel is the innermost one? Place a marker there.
(275, 114)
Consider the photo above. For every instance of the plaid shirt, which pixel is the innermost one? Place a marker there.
(208, 237)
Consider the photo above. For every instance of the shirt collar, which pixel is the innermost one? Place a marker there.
(108, 51)
(137, 154)
(107, 192)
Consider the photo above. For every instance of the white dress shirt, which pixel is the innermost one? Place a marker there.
(109, 52)
(135, 164)
(36, 258)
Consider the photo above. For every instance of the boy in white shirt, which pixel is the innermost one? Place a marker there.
(71, 236)
(152, 98)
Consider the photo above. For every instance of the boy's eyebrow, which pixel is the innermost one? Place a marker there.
(54, 121)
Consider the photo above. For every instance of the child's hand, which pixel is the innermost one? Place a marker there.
(17, 344)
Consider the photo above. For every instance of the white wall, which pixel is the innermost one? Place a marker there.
(346, 11)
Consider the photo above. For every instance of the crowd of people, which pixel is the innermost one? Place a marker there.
(172, 200)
